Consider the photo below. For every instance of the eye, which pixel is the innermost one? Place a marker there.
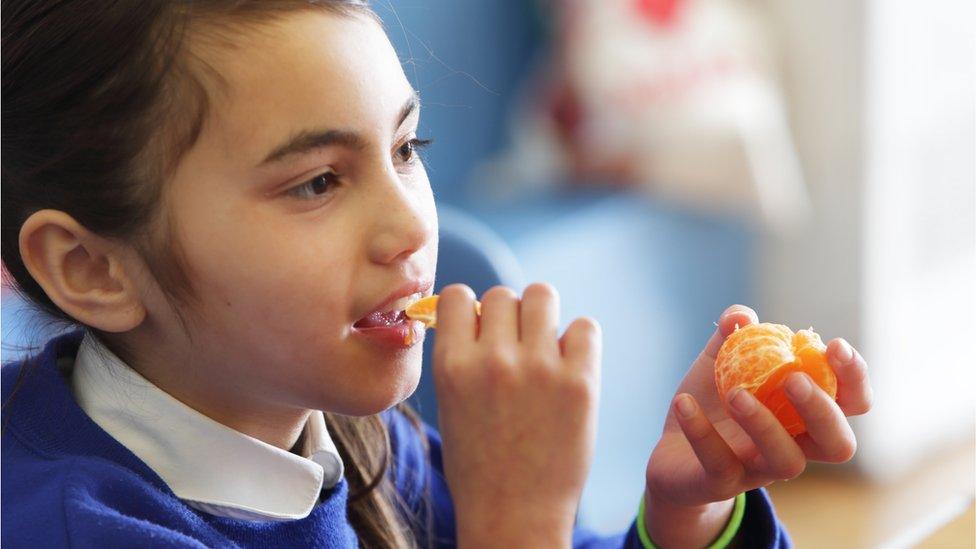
(318, 186)
(408, 151)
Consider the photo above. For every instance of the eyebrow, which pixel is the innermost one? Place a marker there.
(308, 140)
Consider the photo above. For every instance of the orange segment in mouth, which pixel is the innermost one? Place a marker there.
(759, 357)
(425, 310)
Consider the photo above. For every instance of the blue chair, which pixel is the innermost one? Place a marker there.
(470, 253)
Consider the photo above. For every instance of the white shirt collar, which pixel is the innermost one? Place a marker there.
(209, 465)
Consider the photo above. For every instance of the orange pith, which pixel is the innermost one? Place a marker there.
(759, 357)
(425, 310)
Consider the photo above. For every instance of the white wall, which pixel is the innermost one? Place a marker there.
(881, 95)
(814, 277)
(919, 239)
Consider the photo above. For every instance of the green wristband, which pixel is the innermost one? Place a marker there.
(724, 539)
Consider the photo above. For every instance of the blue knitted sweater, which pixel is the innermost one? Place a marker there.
(66, 482)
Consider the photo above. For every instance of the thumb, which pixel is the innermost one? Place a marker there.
(740, 315)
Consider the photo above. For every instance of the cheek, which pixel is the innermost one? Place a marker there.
(292, 289)
(428, 209)
(281, 321)
(265, 278)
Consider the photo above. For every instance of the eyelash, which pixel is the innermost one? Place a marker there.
(414, 147)
(306, 191)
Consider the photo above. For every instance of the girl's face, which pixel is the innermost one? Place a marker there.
(302, 209)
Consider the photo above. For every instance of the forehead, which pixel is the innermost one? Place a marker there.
(307, 69)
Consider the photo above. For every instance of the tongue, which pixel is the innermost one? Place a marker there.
(381, 320)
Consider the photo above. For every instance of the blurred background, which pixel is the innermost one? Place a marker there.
(659, 160)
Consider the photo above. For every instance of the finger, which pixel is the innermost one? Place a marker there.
(539, 318)
(781, 454)
(582, 342)
(716, 457)
(812, 449)
(735, 315)
(854, 392)
(456, 317)
(499, 316)
(825, 421)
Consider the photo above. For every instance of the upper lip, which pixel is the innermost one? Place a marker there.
(421, 286)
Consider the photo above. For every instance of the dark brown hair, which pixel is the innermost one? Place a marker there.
(100, 101)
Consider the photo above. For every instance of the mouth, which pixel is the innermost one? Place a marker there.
(389, 315)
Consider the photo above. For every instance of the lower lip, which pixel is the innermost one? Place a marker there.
(403, 335)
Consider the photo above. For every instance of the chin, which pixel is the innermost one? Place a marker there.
(377, 397)
(372, 406)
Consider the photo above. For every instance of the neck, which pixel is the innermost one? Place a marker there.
(205, 388)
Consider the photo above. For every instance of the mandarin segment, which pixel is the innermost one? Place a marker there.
(425, 310)
(759, 357)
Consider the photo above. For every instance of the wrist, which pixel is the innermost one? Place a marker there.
(489, 528)
(481, 538)
(670, 525)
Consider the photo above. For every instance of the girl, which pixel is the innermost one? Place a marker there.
(226, 196)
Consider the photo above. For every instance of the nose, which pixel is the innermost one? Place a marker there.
(405, 218)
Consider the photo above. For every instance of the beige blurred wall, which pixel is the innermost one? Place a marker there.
(881, 106)
(803, 281)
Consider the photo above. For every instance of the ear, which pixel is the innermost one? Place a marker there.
(84, 274)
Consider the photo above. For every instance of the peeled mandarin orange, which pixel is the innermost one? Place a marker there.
(759, 357)
(425, 310)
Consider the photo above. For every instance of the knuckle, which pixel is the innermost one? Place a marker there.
(858, 410)
(590, 373)
(655, 481)
(446, 362)
(580, 389)
(441, 354)
(845, 451)
(446, 378)
(820, 410)
(793, 469)
(585, 327)
(499, 293)
(855, 400)
(498, 358)
(857, 373)
(542, 291)
(587, 364)
(867, 402)
(695, 432)
(500, 379)
(541, 361)
(765, 427)
(445, 382)
(444, 356)
(456, 292)
(727, 477)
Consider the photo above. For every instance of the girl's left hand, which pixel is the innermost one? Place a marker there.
(706, 457)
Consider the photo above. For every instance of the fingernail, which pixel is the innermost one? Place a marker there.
(685, 406)
(845, 353)
(743, 401)
(799, 387)
(742, 310)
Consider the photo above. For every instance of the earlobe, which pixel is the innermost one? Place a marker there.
(84, 274)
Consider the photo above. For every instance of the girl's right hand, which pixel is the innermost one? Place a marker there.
(517, 407)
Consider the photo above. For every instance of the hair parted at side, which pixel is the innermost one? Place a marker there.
(100, 101)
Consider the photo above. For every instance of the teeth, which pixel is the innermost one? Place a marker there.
(402, 303)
